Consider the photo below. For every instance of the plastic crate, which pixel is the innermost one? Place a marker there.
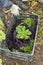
(20, 55)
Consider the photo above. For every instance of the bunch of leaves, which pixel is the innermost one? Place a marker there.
(2, 30)
(2, 35)
(31, 44)
(2, 27)
(39, 13)
(28, 48)
(0, 61)
(29, 22)
(22, 32)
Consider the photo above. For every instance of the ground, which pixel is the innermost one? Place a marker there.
(38, 55)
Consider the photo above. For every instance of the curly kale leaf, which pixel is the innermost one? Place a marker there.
(28, 49)
(29, 22)
(22, 32)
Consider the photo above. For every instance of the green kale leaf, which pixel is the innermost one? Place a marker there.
(28, 49)
(29, 22)
(22, 32)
